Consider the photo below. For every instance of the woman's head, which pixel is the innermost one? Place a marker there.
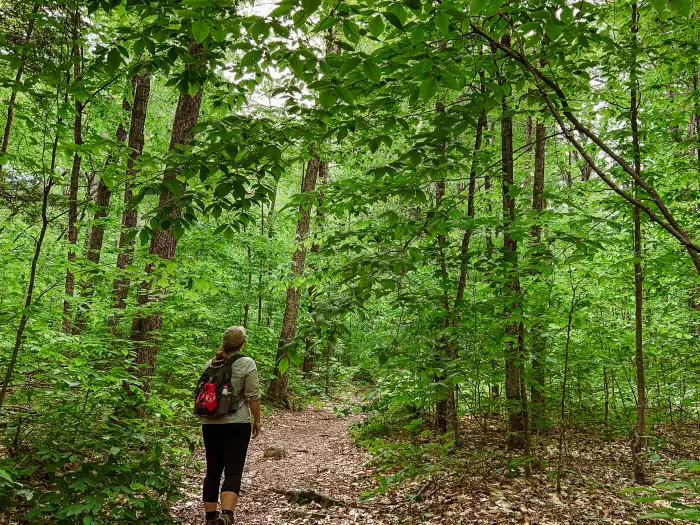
(233, 341)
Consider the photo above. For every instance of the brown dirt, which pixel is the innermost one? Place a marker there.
(474, 488)
(320, 458)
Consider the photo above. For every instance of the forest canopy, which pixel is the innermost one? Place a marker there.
(454, 210)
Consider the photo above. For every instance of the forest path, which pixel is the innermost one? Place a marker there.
(319, 457)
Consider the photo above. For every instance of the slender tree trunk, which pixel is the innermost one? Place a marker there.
(145, 328)
(18, 78)
(278, 393)
(639, 432)
(95, 236)
(562, 413)
(30, 293)
(74, 182)
(442, 349)
(452, 408)
(606, 392)
(311, 343)
(487, 191)
(246, 306)
(270, 236)
(260, 266)
(141, 88)
(513, 348)
(537, 393)
(528, 148)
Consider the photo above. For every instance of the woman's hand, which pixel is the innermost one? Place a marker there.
(255, 410)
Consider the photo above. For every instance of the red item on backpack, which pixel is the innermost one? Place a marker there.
(207, 397)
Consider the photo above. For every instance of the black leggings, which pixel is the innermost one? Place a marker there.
(226, 447)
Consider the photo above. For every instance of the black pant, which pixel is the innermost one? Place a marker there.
(226, 447)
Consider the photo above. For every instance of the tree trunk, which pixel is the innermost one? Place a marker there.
(13, 94)
(74, 182)
(30, 293)
(452, 409)
(278, 393)
(311, 344)
(246, 306)
(260, 266)
(513, 348)
(537, 394)
(141, 87)
(145, 329)
(95, 236)
(270, 235)
(487, 191)
(639, 432)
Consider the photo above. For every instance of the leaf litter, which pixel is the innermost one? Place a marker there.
(322, 474)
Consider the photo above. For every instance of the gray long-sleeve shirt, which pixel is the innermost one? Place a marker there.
(245, 386)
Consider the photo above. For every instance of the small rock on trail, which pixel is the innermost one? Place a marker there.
(320, 458)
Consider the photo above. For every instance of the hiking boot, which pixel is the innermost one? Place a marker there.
(224, 519)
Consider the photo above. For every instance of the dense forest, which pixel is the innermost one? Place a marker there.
(473, 222)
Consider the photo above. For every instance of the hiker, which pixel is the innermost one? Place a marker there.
(228, 403)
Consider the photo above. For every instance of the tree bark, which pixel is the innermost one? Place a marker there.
(18, 78)
(74, 182)
(311, 344)
(513, 348)
(141, 88)
(145, 328)
(278, 393)
(537, 393)
(639, 432)
(95, 236)
(270, 236)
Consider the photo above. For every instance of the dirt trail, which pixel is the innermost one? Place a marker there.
(319, 457)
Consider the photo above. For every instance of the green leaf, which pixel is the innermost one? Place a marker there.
(114, 60)
(417, 35)
(376, 26)
(413, 4)
(219, 33)
(327, 23)
(345, 94)
(349, 64)
(442, 22)
(251, 58)
(327, 99)
(450, 82)
(477, 6)
(351, 31)
(283, 365)
(428, 88)
(659, 5)
(553, 29)
(682, 7)
(178, 231)
(567, 15)
(372, 71)
(200, 30)
(393, 20)
(310, 6)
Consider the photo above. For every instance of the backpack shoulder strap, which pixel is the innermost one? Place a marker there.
(231, 360)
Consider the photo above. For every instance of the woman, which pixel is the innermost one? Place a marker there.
(226, 439)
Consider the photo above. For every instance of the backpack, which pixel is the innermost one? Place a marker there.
(213, 397)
